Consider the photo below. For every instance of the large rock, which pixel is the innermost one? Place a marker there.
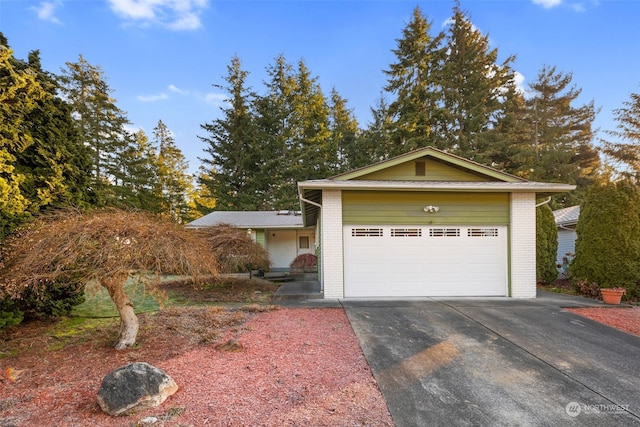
(134, 386)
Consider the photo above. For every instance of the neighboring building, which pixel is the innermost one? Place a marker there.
(566, 221)
(281, 233)
(425, 223)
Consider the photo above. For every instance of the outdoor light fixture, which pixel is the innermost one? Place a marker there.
(431, 209)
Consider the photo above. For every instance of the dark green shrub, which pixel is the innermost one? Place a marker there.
(608, 243)
(55, 300)
(546, 245)
(10, 314)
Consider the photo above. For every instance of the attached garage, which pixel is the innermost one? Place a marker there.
(425, 224)
(410, 261)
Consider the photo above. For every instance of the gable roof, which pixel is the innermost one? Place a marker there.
(250, 219)
(567, 216)
(434, 153)
(310, 192)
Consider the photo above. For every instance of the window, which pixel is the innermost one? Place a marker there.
(444, 232)
(366, 232)
(406, 232)
(420, 169)
(482, 232)
(303, 242)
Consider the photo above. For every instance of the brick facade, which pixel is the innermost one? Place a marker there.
(523, 245)
(332, 253)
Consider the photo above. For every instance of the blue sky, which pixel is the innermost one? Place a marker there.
(162, 57)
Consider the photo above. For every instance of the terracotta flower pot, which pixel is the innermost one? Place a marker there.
(612, 295)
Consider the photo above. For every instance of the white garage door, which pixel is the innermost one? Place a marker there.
(404, 261)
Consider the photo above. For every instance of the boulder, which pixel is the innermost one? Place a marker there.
(134, 386)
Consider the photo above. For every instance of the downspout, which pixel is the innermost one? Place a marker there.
(545, 202)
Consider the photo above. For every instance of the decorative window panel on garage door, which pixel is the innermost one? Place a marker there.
(407, 208)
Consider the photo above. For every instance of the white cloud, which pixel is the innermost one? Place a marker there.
(548, 4)
(174, 88)
(172, 14)
(46, 11)
(215, 98)
(518, 79)
(152, 98)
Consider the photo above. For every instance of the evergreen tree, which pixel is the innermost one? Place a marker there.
(233, 168)
(546, 245)
(56, 164)
(140, 186)
(311, 151)
(345, 138)
(607, 247)
(20, 92)
(374, 145)
(172, 171)
(275, 121)
(561, 147)
(626, 149)
(100, 123)
(414, 81)
(473, 84)
(201, 201)
(510, 145)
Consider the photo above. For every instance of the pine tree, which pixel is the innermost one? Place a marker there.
(276, 127)
(100, 123)
(561, 147)
(472, 87)
(55, 165)
(414, 80)
(374, 144)
(140, 186)
(201, 201)
(172, 171)
(19, 93)
(233, 168)
(345, 137)
(626, 149)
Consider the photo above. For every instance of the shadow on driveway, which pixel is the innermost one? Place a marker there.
(498, 362)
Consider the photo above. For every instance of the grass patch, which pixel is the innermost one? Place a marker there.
(98, 303)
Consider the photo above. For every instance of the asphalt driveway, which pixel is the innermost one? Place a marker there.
(498, 362)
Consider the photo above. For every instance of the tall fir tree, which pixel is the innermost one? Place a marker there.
(140, 175)
(561, 143)
(625, 146)
(20, 92)
(375, 141)
(233, 168)
(56, 164)
(345, 134)
(473, 84)
(101, 125)
(414, 82)
(275, 121)
(174, 181)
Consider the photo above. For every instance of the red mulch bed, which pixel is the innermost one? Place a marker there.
(626, 319)
(298, 367)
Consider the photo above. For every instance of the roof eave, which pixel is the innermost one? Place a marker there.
(502, 187)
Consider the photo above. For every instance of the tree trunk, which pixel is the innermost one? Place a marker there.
(128, 319)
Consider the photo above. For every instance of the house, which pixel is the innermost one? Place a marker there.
(425, 223)
(281, 233)
(566, 221)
